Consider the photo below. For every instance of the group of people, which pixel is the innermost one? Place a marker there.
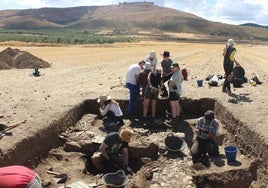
(152, 79)
(114, 149)
(113, 152)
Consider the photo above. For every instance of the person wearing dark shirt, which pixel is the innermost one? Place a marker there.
(114, 149)
(155, 83)
(167, 72)
(228, 64)
(143, 77)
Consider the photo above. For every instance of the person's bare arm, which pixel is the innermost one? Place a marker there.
(103, 148)
(125, 155)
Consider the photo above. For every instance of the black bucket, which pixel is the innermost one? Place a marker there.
(117, 179)
(174, 143)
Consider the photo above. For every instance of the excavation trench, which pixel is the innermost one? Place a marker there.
(77, 135)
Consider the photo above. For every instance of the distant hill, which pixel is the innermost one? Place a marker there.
(128, 17)
(254, 25)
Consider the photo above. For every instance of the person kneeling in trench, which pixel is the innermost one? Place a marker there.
(111, 110)
(206, 129)
(113, 152)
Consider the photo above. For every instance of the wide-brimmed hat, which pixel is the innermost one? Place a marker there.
(166, 54)
(159, 69)
(125, 134)
(231, 42)
(103, 98)
(174, 65)
(147, 66)
(152, 54)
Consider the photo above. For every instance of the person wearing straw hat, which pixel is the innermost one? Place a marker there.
(207, 129)
(228, 64)
(114, 149)
(17, 176)
(152, 59)
(110, 108)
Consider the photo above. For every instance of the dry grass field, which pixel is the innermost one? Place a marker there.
(78, 73)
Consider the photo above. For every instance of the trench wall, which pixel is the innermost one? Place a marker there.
(251, 143)
(38, 144)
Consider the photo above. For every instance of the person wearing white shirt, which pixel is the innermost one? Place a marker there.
(133, 85)
(152, 59)
(111, 109)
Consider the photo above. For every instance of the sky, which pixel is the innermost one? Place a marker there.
(226, 11)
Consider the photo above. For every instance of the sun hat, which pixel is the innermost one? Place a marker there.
(174, 65)
(231, 42)
(166, 54)
(152, 54)
(159, 69)
(125, 134)
(147, 66)
(103, 98)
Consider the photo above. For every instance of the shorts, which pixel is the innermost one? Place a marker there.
(151, 93)
(173, 96)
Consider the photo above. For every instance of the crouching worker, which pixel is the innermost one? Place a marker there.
(19, 177)
(111, 110)
(113, 152)
(206, 129)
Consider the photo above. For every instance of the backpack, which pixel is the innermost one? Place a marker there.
(184, 74)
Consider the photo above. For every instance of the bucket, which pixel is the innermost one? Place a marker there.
(199, 83)
(230, 152)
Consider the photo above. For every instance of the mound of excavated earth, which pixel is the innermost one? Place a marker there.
(14, 58)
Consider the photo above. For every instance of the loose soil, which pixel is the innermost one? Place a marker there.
(84, 72)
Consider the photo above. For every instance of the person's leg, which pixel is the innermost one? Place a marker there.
(195, 152)
(173, 108)
(177, 105)
(153, 108)
(145, 107)
(198, 148)
(133, 94)
(174, 104)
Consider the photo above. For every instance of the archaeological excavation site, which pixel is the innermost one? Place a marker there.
(65, 148)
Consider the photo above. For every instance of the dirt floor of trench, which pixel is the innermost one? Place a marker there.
(152, 163)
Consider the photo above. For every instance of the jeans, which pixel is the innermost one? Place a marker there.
(134, 91)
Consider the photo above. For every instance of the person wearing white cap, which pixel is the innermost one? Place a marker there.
(152, 59)
(228, 64)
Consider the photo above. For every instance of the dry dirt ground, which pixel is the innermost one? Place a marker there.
(79, 73)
